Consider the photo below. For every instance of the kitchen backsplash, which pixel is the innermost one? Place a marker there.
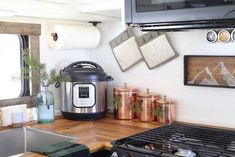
(214, 106)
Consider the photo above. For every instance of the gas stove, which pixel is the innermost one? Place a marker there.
(177, 140)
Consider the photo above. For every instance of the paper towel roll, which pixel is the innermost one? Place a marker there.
(74, 37)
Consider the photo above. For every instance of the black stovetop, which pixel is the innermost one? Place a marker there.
(167, 140)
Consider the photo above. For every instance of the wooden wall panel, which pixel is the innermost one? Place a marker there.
(33, 31)
(20, 28)
(34, 46)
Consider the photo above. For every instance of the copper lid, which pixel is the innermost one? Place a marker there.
(148, 94)
(125, 89)
(165, 100)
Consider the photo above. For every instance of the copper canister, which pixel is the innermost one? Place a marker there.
(147, 105)
(166, 111)
(124, 100)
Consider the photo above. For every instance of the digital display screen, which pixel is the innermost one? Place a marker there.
(83, 92)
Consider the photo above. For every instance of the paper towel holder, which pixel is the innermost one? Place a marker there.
(54, 36)
(94, 23)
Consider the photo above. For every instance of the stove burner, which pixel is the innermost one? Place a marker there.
(231, 147)
(181, 140)
(185, 153)
(150, 147)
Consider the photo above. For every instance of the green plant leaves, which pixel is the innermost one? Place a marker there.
(138, 105)
(116, 101)
(33, 64)
(159, 112)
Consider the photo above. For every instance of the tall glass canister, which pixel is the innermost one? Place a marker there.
(45, 106)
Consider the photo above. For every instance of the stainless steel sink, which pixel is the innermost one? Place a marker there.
(22, 140)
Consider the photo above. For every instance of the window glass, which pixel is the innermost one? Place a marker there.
(10, 65)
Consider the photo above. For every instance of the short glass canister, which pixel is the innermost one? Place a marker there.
(45, 105)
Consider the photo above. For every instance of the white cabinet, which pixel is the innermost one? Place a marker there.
(111, 8)
(54, 1)
(36, 8)
(85, 10)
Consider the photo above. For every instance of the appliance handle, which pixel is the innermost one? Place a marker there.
(109, 78)
(85, 64)
(57, 84)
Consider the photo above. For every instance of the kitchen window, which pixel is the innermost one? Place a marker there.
(14, 38)
(11, 51)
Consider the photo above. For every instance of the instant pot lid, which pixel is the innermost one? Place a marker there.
(84, 71)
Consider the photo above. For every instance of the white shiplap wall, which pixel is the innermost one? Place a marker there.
(213, 106)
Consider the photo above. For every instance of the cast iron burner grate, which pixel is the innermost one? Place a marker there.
(166, 140)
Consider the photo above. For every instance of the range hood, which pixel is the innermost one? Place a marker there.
(175, 15)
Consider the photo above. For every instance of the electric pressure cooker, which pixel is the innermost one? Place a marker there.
(84, 96)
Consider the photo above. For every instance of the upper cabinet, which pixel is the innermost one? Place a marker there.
(110, 8)
(84, 10)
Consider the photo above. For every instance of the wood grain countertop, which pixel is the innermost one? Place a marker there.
(98, 134)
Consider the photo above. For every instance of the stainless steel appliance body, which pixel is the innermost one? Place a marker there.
(84, 95)
(97, 104)
(180, 14)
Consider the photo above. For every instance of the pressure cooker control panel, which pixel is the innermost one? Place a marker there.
(83, 95)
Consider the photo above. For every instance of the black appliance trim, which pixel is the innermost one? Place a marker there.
(94, 94)
(228, 23)
(208, 17)
(84, 71)
(83, 116)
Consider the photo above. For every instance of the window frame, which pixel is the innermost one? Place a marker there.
(33, 31)
(25, 84)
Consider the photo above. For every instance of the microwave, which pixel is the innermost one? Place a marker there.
(180, 14)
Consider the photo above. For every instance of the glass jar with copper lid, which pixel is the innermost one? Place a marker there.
(166, 111)
(146, 105)
(124, 99)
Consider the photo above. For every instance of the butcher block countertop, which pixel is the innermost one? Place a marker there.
(97, 135)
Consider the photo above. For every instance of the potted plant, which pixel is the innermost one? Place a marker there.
(138, 108)
(45, 98)
(159, 112)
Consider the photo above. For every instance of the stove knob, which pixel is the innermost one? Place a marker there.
(114, 154)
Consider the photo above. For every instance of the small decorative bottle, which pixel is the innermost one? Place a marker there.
(45, 105)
